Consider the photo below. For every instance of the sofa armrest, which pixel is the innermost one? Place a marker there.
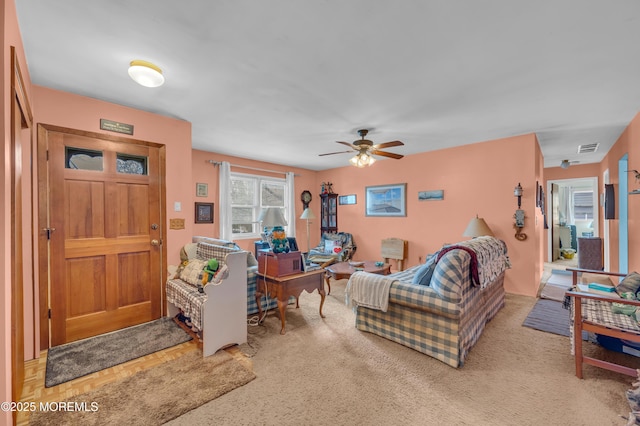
(423, 298)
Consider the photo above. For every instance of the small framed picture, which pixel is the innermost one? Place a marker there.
(347, 199)
(435, 195)
(202, 190)
(204, 212)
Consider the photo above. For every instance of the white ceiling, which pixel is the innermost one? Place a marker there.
(282, 80)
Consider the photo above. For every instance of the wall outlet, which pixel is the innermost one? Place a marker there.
(177, 206)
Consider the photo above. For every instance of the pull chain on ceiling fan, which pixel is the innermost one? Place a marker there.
(366, 150)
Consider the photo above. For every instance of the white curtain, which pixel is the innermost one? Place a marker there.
(291, 212)
(225, 200)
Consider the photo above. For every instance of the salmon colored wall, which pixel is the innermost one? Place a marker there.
(10, 35)
(627, 143)
(82, 113)
(205, 172)
(575, 171)
(476, 179)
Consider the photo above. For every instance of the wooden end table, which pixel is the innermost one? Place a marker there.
(342, 270)
(281, 288)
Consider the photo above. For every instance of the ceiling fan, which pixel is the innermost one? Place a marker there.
(365, 150)
(566, 163)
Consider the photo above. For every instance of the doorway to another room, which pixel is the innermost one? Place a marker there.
(573, 214)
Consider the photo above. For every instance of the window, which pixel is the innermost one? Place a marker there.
(583, 205)
(249, 195)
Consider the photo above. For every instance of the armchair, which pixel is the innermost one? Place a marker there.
(595, 313)
(322, 253)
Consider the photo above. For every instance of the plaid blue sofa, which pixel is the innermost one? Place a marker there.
(219, 249)
(445, 318)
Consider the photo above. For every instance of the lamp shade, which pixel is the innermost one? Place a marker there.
(145, 73)
(272, 216)
(477, 227)
(307, 214)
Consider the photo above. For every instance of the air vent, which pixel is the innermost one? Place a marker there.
(588, 148)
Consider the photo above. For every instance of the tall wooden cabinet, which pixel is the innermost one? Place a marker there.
(328, 213)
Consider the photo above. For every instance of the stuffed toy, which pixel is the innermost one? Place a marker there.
(184, 260)
(212, 272)
(279, 241)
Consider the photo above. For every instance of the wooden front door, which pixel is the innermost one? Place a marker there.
(105, 234)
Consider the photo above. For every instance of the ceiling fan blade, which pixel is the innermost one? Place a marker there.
(386, 154)
(339, 152)
(387, 144)
(348, 144)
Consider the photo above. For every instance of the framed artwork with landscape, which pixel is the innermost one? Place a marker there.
(386, 200)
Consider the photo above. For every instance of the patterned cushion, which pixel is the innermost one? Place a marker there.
(207, 251)
(448, 276)
(630, 284)
(192, 273)
(423, 276)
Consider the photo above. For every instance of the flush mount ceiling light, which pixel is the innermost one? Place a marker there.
(145, 73)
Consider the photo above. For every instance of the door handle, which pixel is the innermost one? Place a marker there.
(155, 242)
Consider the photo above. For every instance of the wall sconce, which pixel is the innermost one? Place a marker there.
(519, 215)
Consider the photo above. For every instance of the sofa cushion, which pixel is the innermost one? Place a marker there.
(449, 275)
(425, 272)
(192, 273)
(629, 284)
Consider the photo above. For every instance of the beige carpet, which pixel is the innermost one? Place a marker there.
(153, 396)
(326, 372)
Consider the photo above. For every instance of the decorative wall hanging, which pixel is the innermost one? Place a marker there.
(436, 195)
(386, 200)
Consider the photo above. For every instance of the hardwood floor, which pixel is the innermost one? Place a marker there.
(34, 390)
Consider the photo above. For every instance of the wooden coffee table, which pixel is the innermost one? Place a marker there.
(342, 270)
(281, 288)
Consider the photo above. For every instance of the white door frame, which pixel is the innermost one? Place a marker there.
(549, 207)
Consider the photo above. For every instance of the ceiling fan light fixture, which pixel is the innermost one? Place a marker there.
(362, 159)
(145, 73)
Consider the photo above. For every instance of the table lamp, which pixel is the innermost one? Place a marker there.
(273, 221)
(477, 227)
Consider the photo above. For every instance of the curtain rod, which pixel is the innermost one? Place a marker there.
(217, 163)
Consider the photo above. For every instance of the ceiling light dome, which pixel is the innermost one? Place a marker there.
(145, 73)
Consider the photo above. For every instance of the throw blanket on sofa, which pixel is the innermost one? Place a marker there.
(368, 290)
(491, 255)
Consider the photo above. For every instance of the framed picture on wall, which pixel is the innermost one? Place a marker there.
(386, 200)
(204, 212)
(202, 190)
(347, 199)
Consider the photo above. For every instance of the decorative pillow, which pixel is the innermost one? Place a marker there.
(192, 273)
(424, 273)
(190, 250)
(332, 246)
(629, 284)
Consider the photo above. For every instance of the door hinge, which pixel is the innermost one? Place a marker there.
(49, 313)
(47, 155)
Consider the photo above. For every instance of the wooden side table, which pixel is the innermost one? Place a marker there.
(342, 270)
(282, 288)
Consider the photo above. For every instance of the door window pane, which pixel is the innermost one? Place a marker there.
(131, 164)
(83, 159)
